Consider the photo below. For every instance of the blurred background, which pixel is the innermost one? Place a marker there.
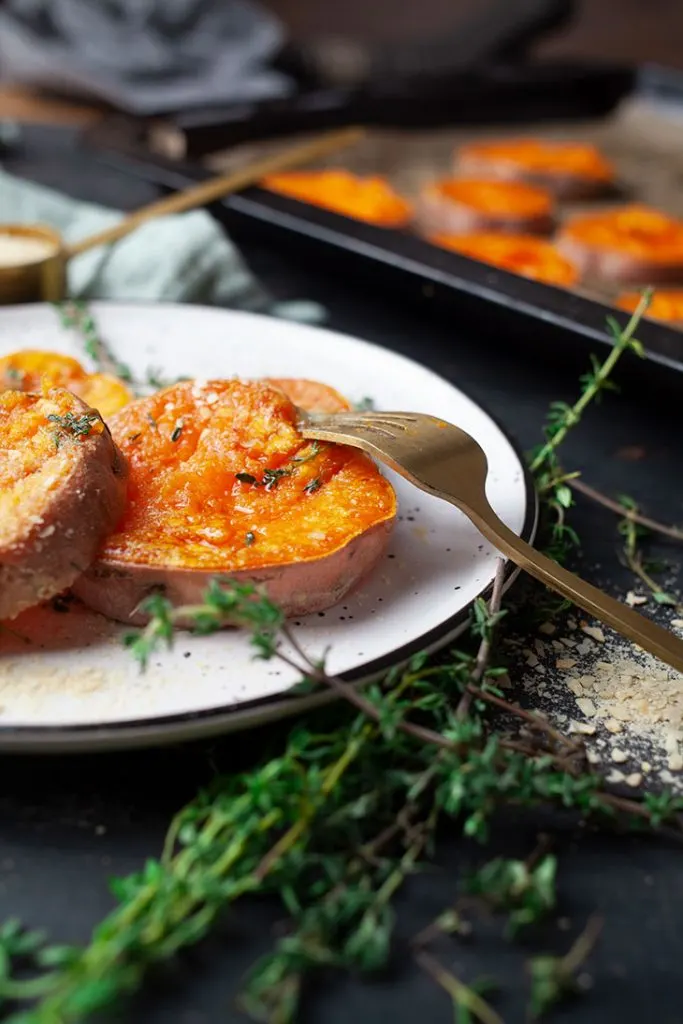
(87, 48)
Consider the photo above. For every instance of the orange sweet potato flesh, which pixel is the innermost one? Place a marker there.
(571, 170)
(369, 199)
(633, 243)
(62, 489)
(459, 205)
(520, 254)
(310, 395)
(222, 483)
(666, 305)
(30, 369)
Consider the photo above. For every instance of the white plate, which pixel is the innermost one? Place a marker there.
(74, 686)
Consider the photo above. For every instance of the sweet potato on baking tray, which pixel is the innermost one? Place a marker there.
(369, 199)
(570, 170)
(30, 369)
(222, 483)
(631, 244)
(666, 305)
(520, 254)
(460, 205)
(62, 489)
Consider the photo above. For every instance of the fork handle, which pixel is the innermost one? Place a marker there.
(646, 634)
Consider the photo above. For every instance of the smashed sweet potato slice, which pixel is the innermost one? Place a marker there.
(569, 169)
(458, 205)
(520, 254)
(222, 483)
(31, 369)
(369, 199)
(666, 305)
(62, 488)
(630, 243)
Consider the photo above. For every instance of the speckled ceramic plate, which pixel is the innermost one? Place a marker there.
(67, 683)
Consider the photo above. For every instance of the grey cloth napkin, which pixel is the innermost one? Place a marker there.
(143, 56)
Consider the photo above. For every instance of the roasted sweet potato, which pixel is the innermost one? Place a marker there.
(520, 254)
(630, 245)
(222, 483)
(369, 199)
(570, 170)
(460, 205)
(62, 489)
(310, 395)
(30, 369)
(666, 305)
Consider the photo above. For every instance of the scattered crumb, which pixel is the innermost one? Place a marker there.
(634, 780)
(619, 756)
(594, 632)
(586, 728)
(633, 600)
(675, 763)
(565, 663)
(587, 706)
(613, 726)
(645, 767)
(547, 628)
(678, 623)
(616, 776)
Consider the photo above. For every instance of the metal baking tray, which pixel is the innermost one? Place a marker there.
(543, 320)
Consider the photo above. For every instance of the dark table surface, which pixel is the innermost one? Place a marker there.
(70, 824)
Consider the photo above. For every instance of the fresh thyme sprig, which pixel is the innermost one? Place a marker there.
(554, 483)
(77, 317)
(627, 510)
(554, 978)
(631, 529)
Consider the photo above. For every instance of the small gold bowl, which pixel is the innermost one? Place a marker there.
(32, 264)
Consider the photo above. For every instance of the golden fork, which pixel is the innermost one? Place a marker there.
(443, 460)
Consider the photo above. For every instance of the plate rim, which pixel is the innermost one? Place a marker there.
(185, 726)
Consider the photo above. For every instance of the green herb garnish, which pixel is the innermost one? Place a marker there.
(272, 477)
(175, 436)
(247, 478)
(313, 485)
(315, 450)
(249, 539)
(72, 426)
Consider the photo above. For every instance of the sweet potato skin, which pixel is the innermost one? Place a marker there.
(116, 588)
(238, 494)
(68, 495)
(32, 369)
